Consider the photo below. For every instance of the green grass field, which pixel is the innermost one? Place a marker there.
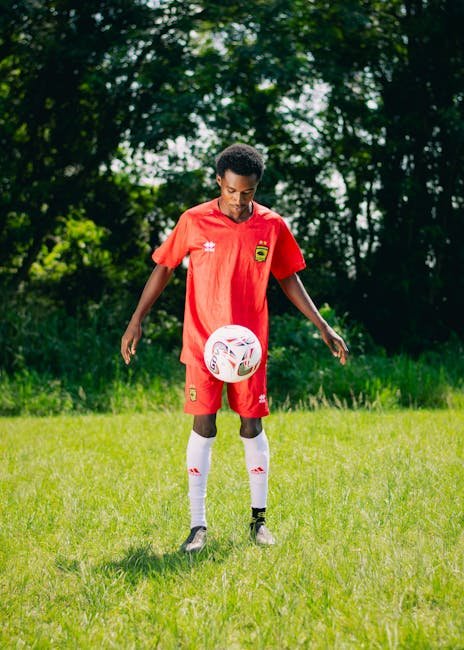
(367, 509)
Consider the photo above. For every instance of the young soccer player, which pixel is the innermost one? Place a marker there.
(234, 243)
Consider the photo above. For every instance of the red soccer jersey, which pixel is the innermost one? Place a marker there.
(228, 270)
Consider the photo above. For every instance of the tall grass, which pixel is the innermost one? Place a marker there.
(302, 373)
(55, 363)
(62, 364)
(366, 508)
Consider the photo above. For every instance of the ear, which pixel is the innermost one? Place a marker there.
(219, 180)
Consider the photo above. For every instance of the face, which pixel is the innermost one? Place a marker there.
(237, 193)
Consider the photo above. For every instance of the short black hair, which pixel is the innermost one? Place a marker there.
(242, 159)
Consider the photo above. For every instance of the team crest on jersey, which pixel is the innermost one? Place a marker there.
(261, 251)
(193, 393)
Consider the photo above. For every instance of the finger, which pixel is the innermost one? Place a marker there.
(337, 349)
(342, 353)
(125, 350)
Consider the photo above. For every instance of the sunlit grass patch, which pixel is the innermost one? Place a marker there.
(367, 509)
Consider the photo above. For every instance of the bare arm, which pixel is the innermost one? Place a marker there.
(297, 294)
(154, 287)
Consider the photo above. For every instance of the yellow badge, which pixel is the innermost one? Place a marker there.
(261, 251)
(193, 393)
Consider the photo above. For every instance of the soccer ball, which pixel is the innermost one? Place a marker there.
(232, 353)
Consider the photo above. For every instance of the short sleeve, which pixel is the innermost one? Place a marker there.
(173, 250)
(287, 258)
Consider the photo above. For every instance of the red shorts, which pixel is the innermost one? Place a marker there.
(203, 393)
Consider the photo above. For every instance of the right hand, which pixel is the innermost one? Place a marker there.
(129, 341)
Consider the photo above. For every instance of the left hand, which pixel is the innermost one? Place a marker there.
(335, 343)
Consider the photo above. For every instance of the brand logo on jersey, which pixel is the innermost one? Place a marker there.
(193, 393)
(261, 251)
(262, 398)
(209, 246)
(257, 470)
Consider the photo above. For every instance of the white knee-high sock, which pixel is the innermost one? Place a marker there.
(257, 462)
(198, 464)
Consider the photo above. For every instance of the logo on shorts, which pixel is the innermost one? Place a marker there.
(192, 393)
(261, 251)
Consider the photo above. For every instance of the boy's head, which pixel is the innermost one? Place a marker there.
(241, 159)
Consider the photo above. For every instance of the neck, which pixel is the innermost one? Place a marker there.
(244, 215)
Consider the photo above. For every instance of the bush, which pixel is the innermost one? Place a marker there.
(303, 373)
(53, 363)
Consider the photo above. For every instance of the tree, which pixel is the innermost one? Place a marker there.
(79, 78)
(393, 125)
(419, 262)
(357, 105)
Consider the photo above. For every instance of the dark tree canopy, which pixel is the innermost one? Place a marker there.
(79, 80)
(357, 106)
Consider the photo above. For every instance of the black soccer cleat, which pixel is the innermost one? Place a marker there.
(260, 533)
(196, 541)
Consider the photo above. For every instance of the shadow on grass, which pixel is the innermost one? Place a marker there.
(141, 562)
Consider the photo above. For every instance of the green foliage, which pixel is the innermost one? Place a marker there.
(302, 374)
(357, 107)
(54, 363)
(366, 509)
(78, 80)
(28, 392)
(78, 244)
